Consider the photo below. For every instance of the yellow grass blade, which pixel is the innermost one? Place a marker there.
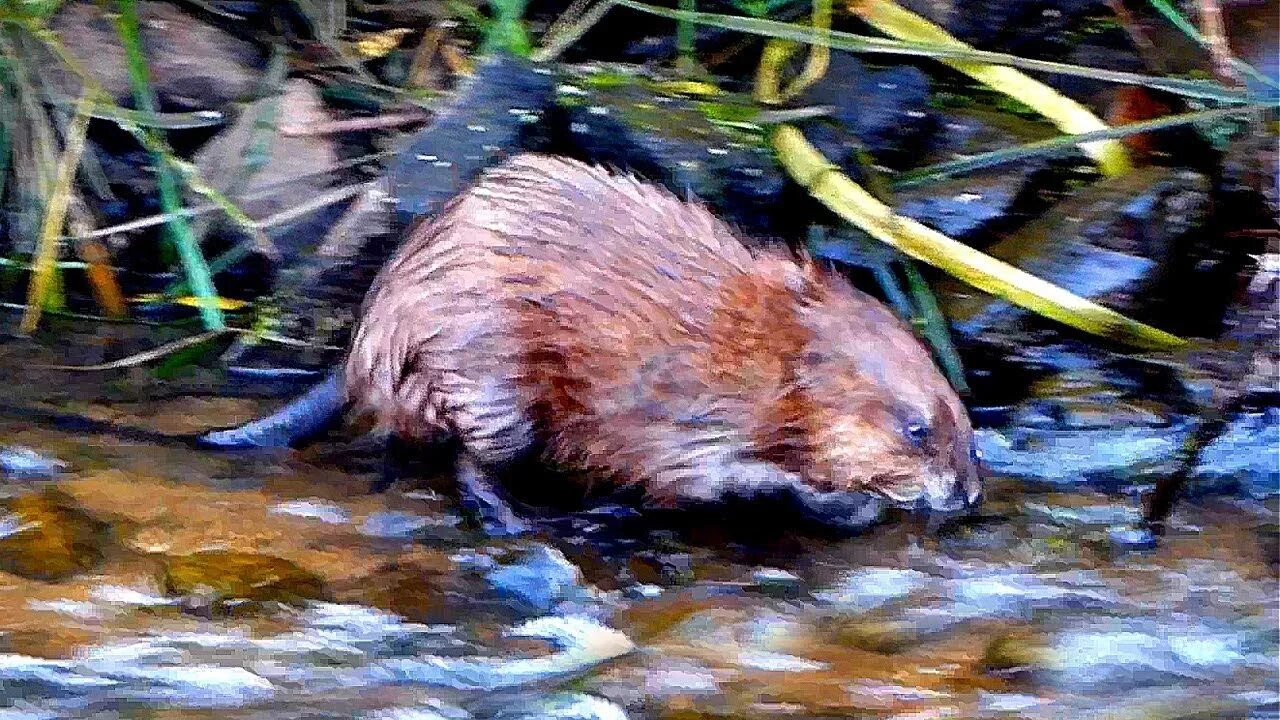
(1067, 114)
(832, 188)
(44, 265)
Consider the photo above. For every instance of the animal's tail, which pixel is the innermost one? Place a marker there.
(302, 418)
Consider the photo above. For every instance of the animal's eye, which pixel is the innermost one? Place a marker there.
(917, 432)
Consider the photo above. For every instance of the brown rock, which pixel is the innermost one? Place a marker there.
(192, 64)
(228, 575)
(55, 539)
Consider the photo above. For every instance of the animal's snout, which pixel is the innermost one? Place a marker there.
(952, 494)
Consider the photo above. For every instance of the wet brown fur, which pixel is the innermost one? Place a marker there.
(634, 337)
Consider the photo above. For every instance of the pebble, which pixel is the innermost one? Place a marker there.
(776, 582)
(643, 591)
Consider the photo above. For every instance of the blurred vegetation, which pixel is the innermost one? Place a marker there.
(45, 172)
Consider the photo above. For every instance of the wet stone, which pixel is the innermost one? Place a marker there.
(1110, 242)
(878, 635)
(417, 591)
(1127, 537)
(777, 583)
(538, 580)
(1033, 28)
(887, 110)
(224, 576)
(1120, 653)
(1246, 454)
(1086, 515)
(1015, 653)
(435, 713)
(21, 463)
(48, 536)
(869, 588)
(290, 164)
(1111, 458)
(661, 568)
(393, 525)
(313, 509)
(496, 112)
(643, 591)
(566, 706)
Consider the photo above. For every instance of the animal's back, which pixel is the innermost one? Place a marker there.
(545, 293)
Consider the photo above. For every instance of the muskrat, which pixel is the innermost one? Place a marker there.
(610, 328)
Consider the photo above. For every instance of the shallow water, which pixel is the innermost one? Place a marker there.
(1028, 611)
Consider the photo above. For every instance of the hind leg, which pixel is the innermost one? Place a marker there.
(480, 494)
(494, 430)
(395, 458)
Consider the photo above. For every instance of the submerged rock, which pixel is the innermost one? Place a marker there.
(1122, 653)
(48, 536)
(975, 206)
(1015, 652)
(1244, 460)
(1021, 594)
(869, 588)
(565, 706)
(393, 525)
(224, 576)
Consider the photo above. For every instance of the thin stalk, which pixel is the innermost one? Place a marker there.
(892, 19)
(170, 199)
(242, 250)
(44, 275)
(685, 35)
(819, 53)
(824, 181)
(852, 42)
(1064, 143)
(154, 121)
(561, 36)
(5, 120)
(1189, 29)
(261, 192)
(935, 327)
